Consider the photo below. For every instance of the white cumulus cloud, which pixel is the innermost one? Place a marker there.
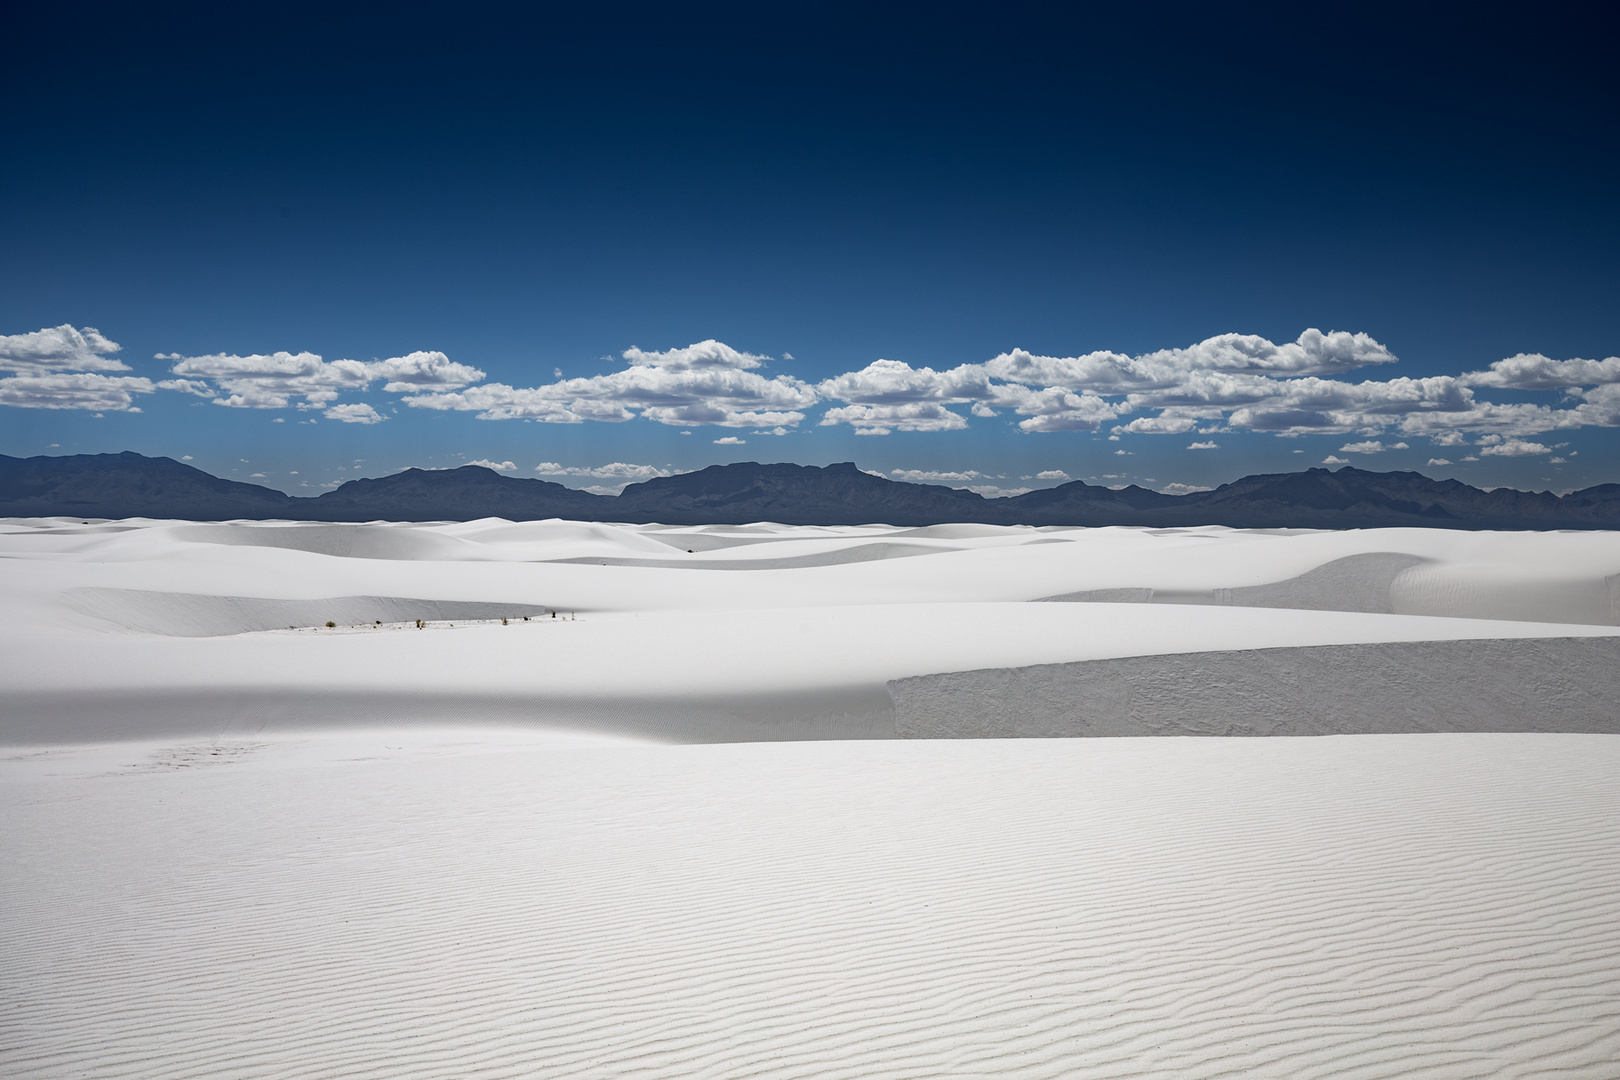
(59, 348)
(1057, 409)
(271, 380)
(931, 476)
(73, 390)
(551, 468)
(189, 386)
(354, 413)
(709, 354)
(1168, 422)
(1599, 406)
(882, 419)
(1227, 382)
(1533, 371)
(1314, 353)
(277, 380)
(618, 470)
(422, 370)
(498, 466)
(891, 382)
(1240, 380)
(705, 383)
(1498, 447)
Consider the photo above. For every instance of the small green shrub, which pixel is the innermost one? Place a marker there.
(330, 624)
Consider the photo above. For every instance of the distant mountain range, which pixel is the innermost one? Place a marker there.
(132, 485)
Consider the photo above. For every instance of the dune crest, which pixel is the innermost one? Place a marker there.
(143, 629)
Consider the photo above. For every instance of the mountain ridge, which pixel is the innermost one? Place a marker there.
(133, 485)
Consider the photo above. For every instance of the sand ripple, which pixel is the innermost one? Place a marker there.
(1380, 906)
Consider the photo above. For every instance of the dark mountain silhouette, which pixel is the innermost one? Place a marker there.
(801, 494)
(131, 485)
(1080, 503)
(1318, 498)
(463, 494)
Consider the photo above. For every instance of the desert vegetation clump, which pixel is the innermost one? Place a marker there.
(331, 625)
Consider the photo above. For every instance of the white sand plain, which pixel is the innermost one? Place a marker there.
(669, 834)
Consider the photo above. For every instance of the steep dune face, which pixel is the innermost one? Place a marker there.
(1495, 684)
(1362, 582)
(1533, 591)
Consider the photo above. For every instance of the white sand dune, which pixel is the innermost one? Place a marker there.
(669, 832)
(179, 628)
(1379, 906)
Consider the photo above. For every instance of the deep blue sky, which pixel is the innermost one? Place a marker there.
(528, 189)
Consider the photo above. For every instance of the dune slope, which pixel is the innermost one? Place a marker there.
(563, 799)
(1379, 906)
(701, 633)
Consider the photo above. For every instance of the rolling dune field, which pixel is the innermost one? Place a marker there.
(658, 822)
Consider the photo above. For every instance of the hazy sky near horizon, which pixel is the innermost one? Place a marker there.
(996, 245)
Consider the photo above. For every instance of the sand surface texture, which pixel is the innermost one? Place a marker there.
(1439, 906)
(669, 832)
(1394, 687)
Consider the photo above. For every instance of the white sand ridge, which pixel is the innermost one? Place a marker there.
(136, 629)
